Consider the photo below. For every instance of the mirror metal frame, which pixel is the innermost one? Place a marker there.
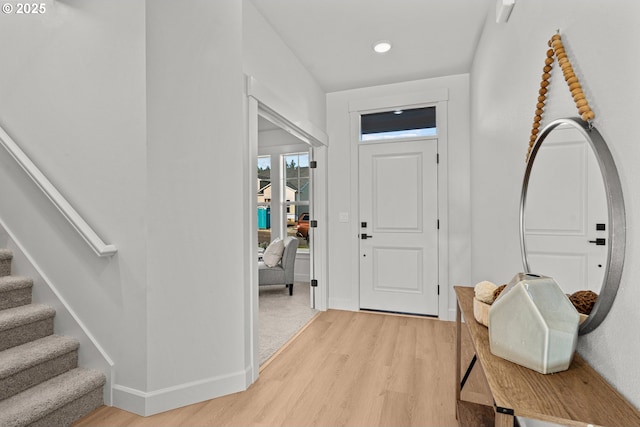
(615, 209)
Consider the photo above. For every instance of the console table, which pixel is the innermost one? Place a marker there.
(578, 396)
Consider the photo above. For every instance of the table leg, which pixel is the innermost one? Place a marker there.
(458, 350)
(504, 420)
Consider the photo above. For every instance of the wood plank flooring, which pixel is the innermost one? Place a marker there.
(344, 369)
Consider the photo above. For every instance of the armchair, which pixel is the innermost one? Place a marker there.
(283, 272)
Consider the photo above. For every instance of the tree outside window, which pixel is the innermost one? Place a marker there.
(297, 192)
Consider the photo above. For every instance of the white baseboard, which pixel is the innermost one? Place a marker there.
(154, 402)
(302, 278)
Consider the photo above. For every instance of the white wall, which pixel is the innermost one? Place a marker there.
(602, 42)
(195, 145)
(73, 98)
(134, 110)
(343, 260)
(274, 65)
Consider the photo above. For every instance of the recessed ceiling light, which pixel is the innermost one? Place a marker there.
(382, 46)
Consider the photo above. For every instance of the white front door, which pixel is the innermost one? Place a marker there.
(398, 187)
(566, 201)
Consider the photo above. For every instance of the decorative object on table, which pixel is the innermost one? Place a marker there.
(485, 294)
(533, 324)
(557, 50)
(583, 301)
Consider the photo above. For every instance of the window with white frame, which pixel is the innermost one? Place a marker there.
(264, 197)
(297, 187)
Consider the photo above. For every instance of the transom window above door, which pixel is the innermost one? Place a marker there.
(399, 123)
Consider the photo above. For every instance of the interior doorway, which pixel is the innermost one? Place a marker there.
(284, 202)
(262, 102)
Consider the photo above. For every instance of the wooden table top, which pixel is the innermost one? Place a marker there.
(578, 396)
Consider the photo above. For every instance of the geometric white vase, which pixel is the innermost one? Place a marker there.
(533, 323)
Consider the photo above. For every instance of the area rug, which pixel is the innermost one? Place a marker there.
(281, 315)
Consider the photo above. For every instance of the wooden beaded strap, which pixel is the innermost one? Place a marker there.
(557, 50)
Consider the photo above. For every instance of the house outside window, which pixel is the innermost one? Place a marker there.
(264, 198)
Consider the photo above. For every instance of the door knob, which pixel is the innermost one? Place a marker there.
(599, 241)
(364, 236)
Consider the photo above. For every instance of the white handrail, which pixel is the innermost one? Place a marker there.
(99, 247)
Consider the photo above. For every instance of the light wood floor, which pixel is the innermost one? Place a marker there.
(344, 369)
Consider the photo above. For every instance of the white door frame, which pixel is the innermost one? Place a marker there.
(439, 99)
(262, 101)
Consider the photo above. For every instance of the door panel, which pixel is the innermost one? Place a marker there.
(398, 203)
(387, 260)
(397, 183)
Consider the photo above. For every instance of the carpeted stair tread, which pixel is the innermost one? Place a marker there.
(29, 364)
(35, 404)
(5, 262)
(19, 316)
(25, 323)
(11, 283)
(15, 291)
(34, 353)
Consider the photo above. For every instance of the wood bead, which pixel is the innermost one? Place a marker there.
(566, 67)
(576, 91)
(583, 109)
(558, 52)
(572, 80)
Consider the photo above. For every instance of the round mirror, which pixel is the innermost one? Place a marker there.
(572, 219)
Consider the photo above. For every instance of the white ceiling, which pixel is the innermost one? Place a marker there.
(333, 38)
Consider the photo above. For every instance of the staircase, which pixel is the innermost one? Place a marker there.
(40, 382)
